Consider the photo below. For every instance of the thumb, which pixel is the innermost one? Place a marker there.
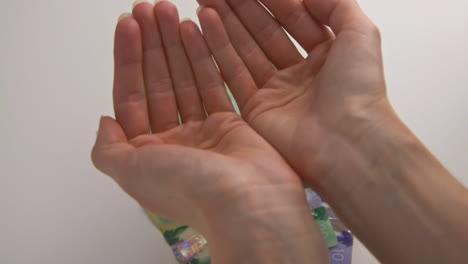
(340, 15)
(112, 154)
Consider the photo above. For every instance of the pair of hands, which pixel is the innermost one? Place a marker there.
(296, 112)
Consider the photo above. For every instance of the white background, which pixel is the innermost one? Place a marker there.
(56, 80)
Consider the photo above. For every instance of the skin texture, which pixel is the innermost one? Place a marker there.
(329, 116)
(214, 171)
(300, 104)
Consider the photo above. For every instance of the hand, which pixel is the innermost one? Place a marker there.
(212, 172)
(308, 109)
(329, 116)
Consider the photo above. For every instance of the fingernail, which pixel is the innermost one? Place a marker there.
(185, 19)
(199, 9)
(123, 16)
(137, 2)
(99, 127)
(157, 1)
(102, 119)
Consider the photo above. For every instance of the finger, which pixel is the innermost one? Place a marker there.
(162, 105)
(129, 90)
(295, 18)
(340, 15)
(209, 82)
(266, 31)
(317, 57)
(111, 153)
(254, 58)
(233, 70)
(188, 99)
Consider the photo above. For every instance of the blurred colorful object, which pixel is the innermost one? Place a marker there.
(190, 247)
(321, 218)
(343, 252)
(187, 249)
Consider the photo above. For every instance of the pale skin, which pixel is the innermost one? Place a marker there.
(326, 118)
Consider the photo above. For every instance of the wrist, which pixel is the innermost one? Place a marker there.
(374, 148)
(338, 149)
(388, 176)
(271, 224)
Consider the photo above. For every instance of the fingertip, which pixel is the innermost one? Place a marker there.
(192, 39)
(138, 2)
(109, 132)
(102, 139)
(127, 47)
(110, 151)
(318, 56)
(167, 15)
(205, 11)
(158, 1)
(338, 14)
(204, 18)
(188, 28)
(164, 6)
(126, 23)
(199, 9)
(124, 16)
(142, 9)
(201, 2)
(185, 20)
(127, 27)
(209, 18)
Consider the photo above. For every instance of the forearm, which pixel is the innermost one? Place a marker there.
(285, 233)
(398, 199)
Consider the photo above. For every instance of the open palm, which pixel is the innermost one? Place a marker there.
(287, 98)
(214, 158)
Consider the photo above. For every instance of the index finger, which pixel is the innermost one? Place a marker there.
(129, 89)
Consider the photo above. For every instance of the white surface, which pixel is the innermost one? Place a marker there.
(55, 82)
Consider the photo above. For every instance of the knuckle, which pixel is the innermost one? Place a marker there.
(159, 85)
(192, 116)
(248, 49)
(294, 17)
(268, 32)
(186, 84)
(135, 96)
(238, 71)
(213, 86)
